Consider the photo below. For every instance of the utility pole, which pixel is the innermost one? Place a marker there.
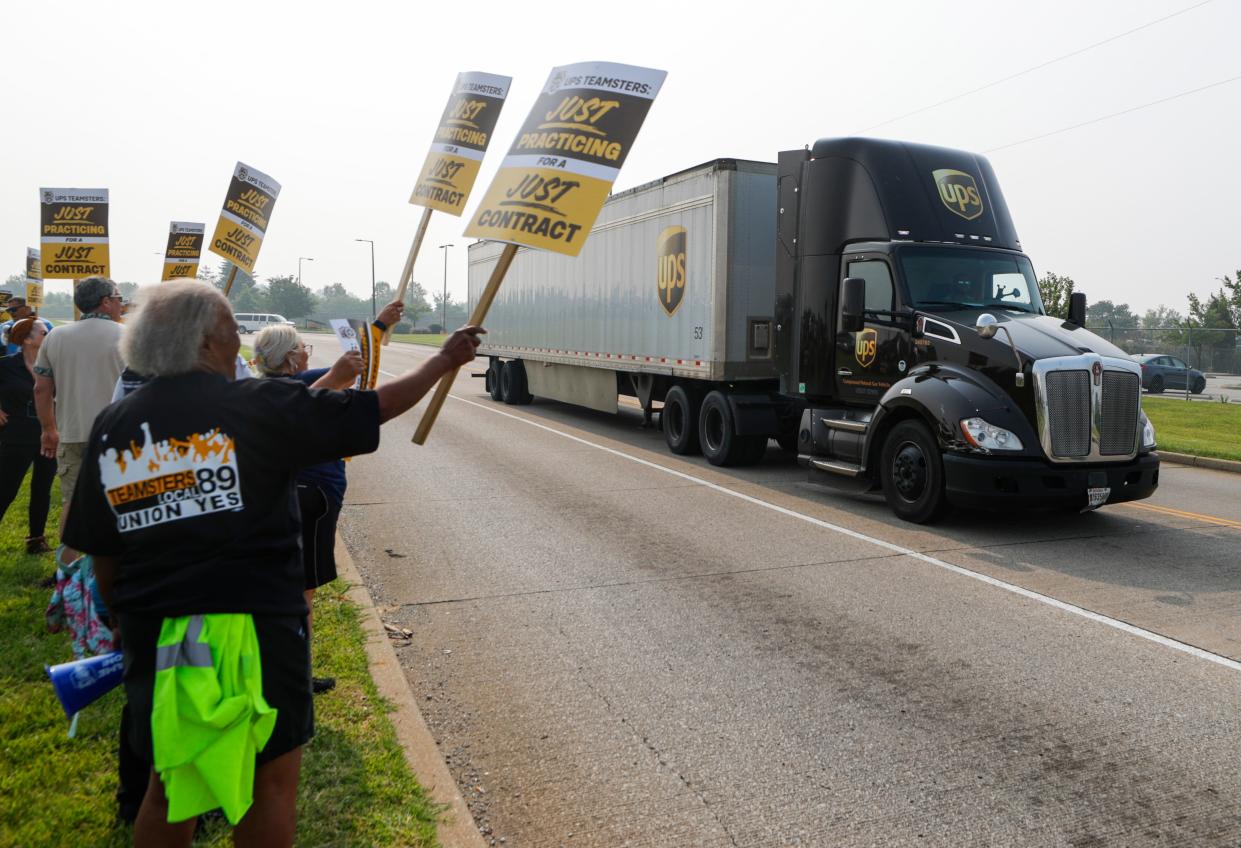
(444, 302)
(374, 312)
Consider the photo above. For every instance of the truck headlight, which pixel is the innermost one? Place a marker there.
(1148, 433)
(986, 436)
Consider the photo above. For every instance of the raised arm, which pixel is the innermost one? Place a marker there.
(397, 396)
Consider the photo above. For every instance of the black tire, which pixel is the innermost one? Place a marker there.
(1156, 385)
(493, 379)
(513, 389)
(717, 434)
(679, 420)
(1199, 386)
(911, 472)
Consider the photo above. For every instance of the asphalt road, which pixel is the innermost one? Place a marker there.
(616, 646)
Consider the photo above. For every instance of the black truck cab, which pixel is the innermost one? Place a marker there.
(910, 334)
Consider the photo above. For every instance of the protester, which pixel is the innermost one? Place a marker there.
(74, 376)
(279, 352)
(19, 432)
(19, 310)
(206, 524)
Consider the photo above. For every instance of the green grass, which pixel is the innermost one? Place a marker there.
(1201, 428)
(355, 787)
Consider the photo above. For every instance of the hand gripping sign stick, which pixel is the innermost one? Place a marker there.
(242, 226)
(558, 173)
(452, 163)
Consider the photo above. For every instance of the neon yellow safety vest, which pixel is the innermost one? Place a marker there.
(208, 718)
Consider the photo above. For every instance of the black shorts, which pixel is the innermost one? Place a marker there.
(319, 515)
(284, 652)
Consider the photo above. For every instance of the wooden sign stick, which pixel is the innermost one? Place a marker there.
(408, 272)
(228, 284)
(476, 319)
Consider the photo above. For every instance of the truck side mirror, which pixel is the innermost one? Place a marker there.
(852, 303)
(1077, 309)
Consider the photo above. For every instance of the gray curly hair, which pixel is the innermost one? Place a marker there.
(174, 319)
(90, 292)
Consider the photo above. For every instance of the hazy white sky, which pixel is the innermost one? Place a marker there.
(338, 102)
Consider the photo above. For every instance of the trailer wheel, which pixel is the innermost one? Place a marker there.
(679, 420)
(911, 472)
(513, 389)
(493, 379)
(717, 432)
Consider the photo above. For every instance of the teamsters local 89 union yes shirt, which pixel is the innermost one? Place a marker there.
(189, 481)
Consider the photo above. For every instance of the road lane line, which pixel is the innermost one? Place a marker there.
(1180, 513)
(1021, 591)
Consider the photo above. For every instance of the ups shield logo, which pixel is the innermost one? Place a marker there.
(959, 192)
(670, 252)
(865, 347)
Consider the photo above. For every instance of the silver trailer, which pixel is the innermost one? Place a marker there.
(675, 286)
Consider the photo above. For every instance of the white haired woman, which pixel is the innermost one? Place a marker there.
(280, 352)
(186, 502)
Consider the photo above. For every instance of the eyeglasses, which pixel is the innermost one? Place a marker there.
(308, 349)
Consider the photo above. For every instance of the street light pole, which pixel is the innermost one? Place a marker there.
(372, 244)
(444, 302)
(300, 259)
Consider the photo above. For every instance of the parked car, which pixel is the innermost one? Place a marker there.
(1160, 372)
(252, 322)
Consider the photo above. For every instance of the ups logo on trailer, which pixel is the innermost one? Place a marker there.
(670, 255)
(866, 346)
(959, 192)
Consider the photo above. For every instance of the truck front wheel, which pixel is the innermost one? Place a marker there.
(679, 420)
(911, 472)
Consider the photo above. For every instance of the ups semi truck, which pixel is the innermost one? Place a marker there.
(864, 303)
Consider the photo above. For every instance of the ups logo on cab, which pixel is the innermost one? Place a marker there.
(866, 346)
(959, 192)
(670, 256)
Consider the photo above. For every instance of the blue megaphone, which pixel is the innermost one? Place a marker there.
(80, 683)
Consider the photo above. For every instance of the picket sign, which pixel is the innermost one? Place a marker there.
(456, 154)
(557, 174)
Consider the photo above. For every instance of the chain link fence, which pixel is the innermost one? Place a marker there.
(1215, 353)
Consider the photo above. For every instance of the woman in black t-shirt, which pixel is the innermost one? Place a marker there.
(19, 432)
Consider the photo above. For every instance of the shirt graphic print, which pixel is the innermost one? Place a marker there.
(158, 482)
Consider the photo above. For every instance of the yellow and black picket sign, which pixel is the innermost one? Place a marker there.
(558, 172)
(243, 221)
(185, 248)
(73, 233)
(34, 279)
(461, 140)
(456, 154)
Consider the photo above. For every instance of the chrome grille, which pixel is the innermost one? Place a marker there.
(1068, 412)
(1087, 407)
(1118, 431)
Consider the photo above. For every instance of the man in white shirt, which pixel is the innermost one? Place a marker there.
(78, 366)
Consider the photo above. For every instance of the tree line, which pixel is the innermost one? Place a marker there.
(285, 295)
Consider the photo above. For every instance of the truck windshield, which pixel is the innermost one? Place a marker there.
(945, 277)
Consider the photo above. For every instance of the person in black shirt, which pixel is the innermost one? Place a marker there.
(20, 432)
(186, 502)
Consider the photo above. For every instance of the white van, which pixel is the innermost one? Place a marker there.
(252, 322)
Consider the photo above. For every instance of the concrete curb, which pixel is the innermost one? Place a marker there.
(1201, 461)
(457, 829)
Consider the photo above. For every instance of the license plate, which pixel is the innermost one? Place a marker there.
(1097, 497)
